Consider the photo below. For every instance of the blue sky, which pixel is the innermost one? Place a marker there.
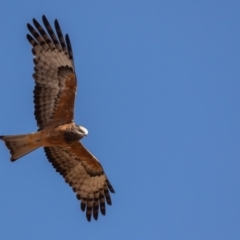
(158, 90)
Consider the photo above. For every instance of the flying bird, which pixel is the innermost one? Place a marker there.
(54, 96)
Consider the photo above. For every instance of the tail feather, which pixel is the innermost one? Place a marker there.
(19, 145)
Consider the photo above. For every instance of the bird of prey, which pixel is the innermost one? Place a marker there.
(54, 95)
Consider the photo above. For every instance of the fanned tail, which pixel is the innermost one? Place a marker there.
(19, 145)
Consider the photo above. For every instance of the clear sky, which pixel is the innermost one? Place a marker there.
(159, 92)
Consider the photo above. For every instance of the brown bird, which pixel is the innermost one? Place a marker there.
(54, 96)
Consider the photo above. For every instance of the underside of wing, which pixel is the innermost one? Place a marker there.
(84, 174)
(55, 78)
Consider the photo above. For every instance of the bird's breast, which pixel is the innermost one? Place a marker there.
(58, 136)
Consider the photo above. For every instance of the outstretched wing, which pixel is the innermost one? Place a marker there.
(84, 174)
(55, 78)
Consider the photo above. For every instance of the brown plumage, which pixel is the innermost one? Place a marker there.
(54, 96)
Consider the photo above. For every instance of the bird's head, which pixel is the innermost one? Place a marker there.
(82, 131)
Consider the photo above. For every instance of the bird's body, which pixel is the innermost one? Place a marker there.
(50, 136)
(54, 96)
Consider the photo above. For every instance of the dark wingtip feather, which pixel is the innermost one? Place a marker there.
(102, 205)
(95, 209)
(60, 35)
(31, 40)
(83, 206)
(88, 218)
(109, 201)
(29, 26)
(110, 187)
(103, 210)
(69, 47)
(89, 213)
(112, 190)
(107, 197)
(35, 22)
(44, 18)
(56, 23)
